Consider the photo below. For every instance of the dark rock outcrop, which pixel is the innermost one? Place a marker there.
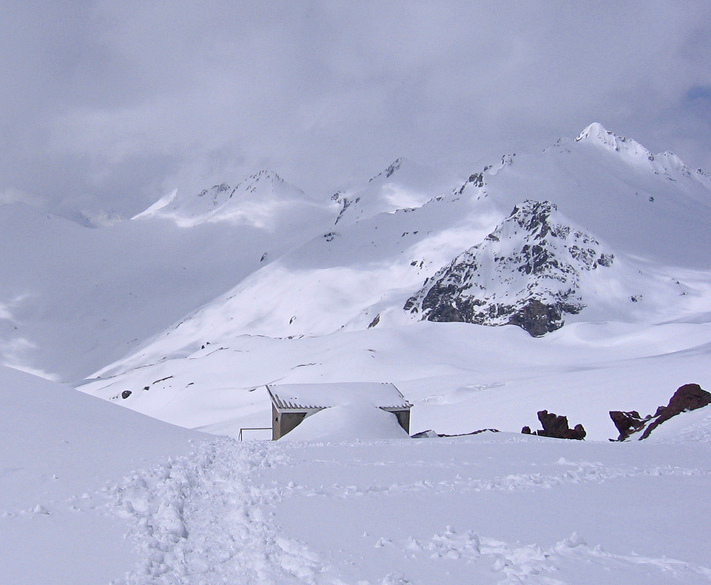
(627, 423)
(687, 397)
(556, 426)
(525, 273)
(538, 318)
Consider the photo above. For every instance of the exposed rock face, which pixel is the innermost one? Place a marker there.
(687, 397)
(628, 423)
(556, 426)
(345, 202)
(538, 318)
(525, 273)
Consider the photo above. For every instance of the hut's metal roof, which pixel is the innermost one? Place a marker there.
(318, 396)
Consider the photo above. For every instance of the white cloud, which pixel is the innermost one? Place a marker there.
(12, 195)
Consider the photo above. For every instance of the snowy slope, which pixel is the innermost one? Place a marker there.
(459, 377)
(60, 448)
(493, 509)
(646, 205)
(90, 496)
(333, 309)
(74, 298)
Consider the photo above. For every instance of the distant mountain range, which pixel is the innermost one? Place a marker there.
(524, 242)
(590, 230)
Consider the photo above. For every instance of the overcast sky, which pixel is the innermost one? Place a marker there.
(108, 104)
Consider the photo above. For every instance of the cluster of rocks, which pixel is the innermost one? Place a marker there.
(556, 426)
(687, 397)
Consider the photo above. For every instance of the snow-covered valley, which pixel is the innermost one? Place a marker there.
(576, 280)
(497, 508)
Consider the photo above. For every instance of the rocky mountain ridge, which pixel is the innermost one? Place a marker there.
(526, 273)
(268, 259)
(598, 241)
(261, 200)
(666, 163)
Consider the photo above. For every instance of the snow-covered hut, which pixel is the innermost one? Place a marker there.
(292, 403)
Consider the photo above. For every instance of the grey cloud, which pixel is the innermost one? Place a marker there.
(113, 104)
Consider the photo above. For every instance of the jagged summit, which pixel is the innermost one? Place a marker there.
(526, 273)
(251, 183)
(258, 200)
(665, 163)
(598, 134)
(613, 186)
(391, 170)
(404, 184)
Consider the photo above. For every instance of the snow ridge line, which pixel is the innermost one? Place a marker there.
(584, 473)
(197, 520)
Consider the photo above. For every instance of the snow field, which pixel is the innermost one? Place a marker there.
(317, 296)
(59, 448)
(499, 509)
(492, 508)
(459, 377)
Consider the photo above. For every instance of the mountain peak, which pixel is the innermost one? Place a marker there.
(264, 175)
(251, 201)
(527, 272)
(665, 163)
(390, 171)
(596, 133)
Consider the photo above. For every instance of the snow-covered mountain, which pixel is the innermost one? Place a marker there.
(527, 272)
(404, 184)
(189, 309)
(73, 298)
(649, 206)
(263, 201)
(289, 264)
(537, 269)
(579, 248)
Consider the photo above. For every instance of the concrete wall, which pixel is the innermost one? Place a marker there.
(403, 417)
(284, 422)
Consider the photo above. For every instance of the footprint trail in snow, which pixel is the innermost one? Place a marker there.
(400, 513)
(198, 520)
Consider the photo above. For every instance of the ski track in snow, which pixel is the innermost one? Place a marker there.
(200, 520)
